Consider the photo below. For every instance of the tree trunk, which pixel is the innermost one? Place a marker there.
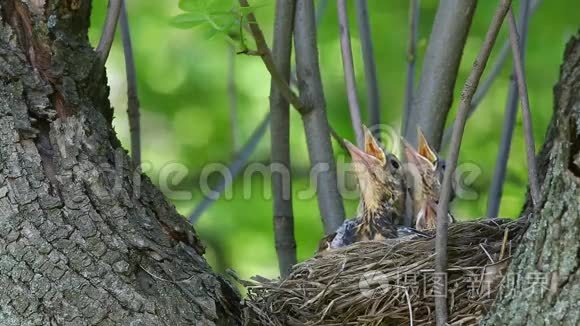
(85, 239)
(542, 285)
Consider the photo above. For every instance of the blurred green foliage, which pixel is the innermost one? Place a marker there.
(183, 76)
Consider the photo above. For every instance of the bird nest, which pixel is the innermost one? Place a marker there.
(390, 282)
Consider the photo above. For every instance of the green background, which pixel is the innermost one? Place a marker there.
(183, 75)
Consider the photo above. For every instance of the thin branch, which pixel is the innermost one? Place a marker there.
(315, 122)
(234, 168)
(443, 207)
(494, 72)
(434, 96)
(283, 213)
(258, 133)
(482, 90)
(233, 99)
(373, 98)
(320, 10)
(503, 55)
(496, 187)
(414, 12)
(266, 55)
(311, 105)
(348, 68)
(526, 112)
(338, 139)
(106, 41)
(132, 97)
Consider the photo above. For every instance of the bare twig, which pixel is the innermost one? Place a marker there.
(495, 190)
(466, 97)
(493, 72)
(104, 46)
(526, 113)
(497, 181)
(257, 135)
(372, 85)
(434, 96)
(233, 99)
(280, 141)
(528, 7)
(482, 90)
(348, 68)
(315, 120)
(234, 168)
(132, 97)
(414, 12)
(338, 139)
(320, 10)
(311, 106)
(266, 55)
(504, 243)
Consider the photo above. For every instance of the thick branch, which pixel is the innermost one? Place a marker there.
(132, 97)
(348, 68)
(280, 141)
(372, 85)
(315, 121)
(440, 66)
(414, 12)
(466, 97)
(108, 35)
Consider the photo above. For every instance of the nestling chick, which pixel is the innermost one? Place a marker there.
(425, 189)
(427, 152)
(382, 188)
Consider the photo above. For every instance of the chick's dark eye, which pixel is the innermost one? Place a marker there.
(394, 163)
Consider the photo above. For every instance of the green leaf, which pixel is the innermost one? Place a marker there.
(192, 5)
(205, 6)
(188, 20)
(211, 33)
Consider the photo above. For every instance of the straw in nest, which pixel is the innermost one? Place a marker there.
(389, 282)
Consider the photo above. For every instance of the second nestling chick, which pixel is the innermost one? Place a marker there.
(382, 192)
(425, 185)
(427, 152)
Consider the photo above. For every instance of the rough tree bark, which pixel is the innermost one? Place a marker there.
(542, 285)
(85, 239)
